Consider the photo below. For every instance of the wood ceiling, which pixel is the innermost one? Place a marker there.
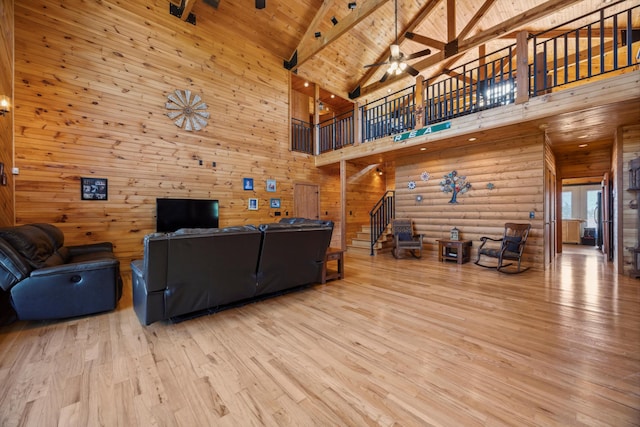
(336, 59)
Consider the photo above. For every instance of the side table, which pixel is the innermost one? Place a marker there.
(333, 254)
(454, 250)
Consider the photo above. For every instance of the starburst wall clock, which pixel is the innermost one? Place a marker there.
(187, 112)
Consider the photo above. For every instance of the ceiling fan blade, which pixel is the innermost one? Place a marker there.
(395, 50)
(384, 77)
(377, 64)
(409, 69)
(419, 54)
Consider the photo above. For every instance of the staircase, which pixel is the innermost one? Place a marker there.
(361, 244)
(374, 238)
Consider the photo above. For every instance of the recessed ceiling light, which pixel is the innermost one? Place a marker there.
(306, 84)
(582, 136)
(473, 138)
(333, 96)
(423, 149)
(583, 145)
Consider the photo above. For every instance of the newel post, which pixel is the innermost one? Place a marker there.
(522, 67)
(418, 102)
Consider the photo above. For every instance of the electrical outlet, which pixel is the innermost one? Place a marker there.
(15, 171)
(532, 215)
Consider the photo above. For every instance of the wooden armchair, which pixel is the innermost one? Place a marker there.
(404, 239)
(509, 248)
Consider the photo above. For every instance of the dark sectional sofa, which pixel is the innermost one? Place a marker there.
(43, 279)
(196, 271)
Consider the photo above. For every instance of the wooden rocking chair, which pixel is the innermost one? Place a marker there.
(510, 248)
(404, 238)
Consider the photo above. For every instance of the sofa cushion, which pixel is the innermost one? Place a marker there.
(33, 243)
(54, 233)
(59, 257)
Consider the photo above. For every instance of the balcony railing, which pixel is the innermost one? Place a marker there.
(336, 132)
(301, 136)
(477, 85)
(602, 46)
(389, 115)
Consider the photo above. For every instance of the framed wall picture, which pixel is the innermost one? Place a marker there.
(271, 185)
(253, 204)
(275, 203)
(247, 183)
(93, 189)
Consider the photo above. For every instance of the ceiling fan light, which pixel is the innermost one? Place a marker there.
(393, 66)
(402, 66)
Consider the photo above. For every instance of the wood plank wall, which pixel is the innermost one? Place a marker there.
(92, 82)
(516, 169)
(6, 122)
(630, 150)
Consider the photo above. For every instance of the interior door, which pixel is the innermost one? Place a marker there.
(607, 215)
(550, 216)
(306, 201)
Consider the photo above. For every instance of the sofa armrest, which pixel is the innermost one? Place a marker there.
(68, 290)
(76, 267)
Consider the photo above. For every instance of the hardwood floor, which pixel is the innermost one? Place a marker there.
(397, 342)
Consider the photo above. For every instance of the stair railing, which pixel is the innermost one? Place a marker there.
(381, 215)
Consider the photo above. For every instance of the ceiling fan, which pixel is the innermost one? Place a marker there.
(397, 60)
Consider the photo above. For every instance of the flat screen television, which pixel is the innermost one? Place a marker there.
(173, 214)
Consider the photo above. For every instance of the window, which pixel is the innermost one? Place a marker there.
(566, 204)
(592, 206)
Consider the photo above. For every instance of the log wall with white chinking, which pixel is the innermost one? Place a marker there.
(6, 122)
(92, 83)
(514, 167)
(630, 150)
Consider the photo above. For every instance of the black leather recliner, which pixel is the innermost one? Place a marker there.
(47, 280)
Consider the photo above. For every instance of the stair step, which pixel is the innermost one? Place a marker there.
(356, 250)
(359, 243)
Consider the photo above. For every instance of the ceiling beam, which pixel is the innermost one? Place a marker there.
(310, 45)
(186, 6)
(531, 15)
(427, 41)
(476, 18)
(571, 34)
(451, 20)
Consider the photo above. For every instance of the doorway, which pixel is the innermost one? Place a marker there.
(306, 201)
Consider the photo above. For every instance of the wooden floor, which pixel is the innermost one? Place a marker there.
(397, 342)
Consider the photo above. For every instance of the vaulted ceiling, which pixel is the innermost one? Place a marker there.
(334, 55)
(330, 42)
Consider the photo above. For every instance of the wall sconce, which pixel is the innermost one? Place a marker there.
(5, 105)
(379, 171)
(334, 21)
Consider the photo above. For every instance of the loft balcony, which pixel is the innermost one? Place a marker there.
(586, 78)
